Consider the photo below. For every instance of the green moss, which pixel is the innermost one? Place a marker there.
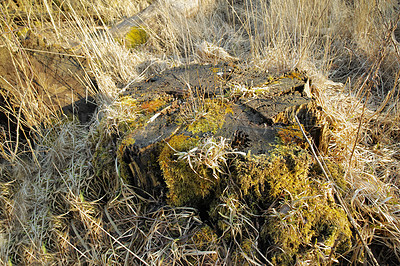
(135, 37)
(124, 169)
(103, 161)
(308, 223)
(286, 168)
(306, 214)
(103, 158)
(204, 238)
(247, 249)
(292, 135)
(186, 186)
(335, 171)
(215, 111)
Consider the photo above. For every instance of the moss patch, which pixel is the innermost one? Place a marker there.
(292, 135)
(204, 238)
(124, 169)
(135, 37)
(305, 216)
(212, 116)
(269, 175)
(188, 185)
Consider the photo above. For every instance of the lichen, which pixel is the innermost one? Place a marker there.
(152, 106)
(187, 186)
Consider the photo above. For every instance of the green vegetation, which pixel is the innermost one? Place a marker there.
(207, 115)
(188, 184)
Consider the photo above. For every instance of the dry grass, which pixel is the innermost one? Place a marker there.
(56, 210)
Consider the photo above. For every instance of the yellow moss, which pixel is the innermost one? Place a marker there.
(127, 141)
(135, 37)
(306, 214)
(23, 33)
(128, 101)
(204, 238)
(247, 250)
(286, 168)
(215, 69)
(123, 166)
(127, 110)
(225, 213)
(313, 221)
(213, 120)
(186, 187)
(292, 135)
(103, 157)
(133, 114)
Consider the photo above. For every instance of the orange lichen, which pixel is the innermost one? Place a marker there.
(153, 105)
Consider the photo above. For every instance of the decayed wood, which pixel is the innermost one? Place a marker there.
(184, 7)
